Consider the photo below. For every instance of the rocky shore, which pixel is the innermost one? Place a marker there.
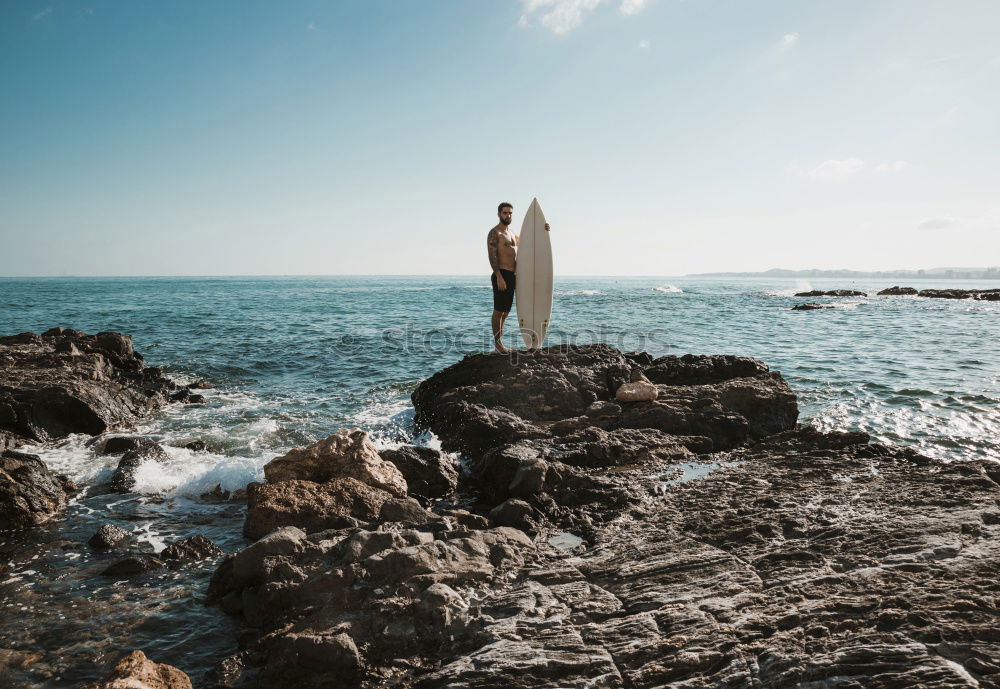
(617, 521)
(896, 291)
(63, 382)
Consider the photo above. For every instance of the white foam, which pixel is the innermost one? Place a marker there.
(671, 289)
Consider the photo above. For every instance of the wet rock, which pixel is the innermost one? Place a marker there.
(196, 547)
(347, 454)
(136, 671)
(896, 291)
(135, 564)
(946, 293)
(66, 381)
(119, 445)
(30, 494)
(123, 478)
(309, 505)
(811, 306)
(832, 293)
(989, 295)
(197, 446)
(109, 536)
(429, 473)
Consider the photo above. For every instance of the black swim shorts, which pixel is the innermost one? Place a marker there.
(503, 299)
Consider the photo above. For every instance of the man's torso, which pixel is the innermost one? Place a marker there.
(506, 246)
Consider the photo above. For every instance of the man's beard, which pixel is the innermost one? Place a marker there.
(505, 221)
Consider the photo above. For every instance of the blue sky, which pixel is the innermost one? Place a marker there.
(661, 136)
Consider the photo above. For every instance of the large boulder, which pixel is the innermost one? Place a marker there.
(488, 400)
(346, 454)
(429, 473)
(30, 494)
(136, 671)
(66, 381)
(310, 506)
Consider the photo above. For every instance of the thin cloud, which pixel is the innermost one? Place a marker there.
(311, 26)
(789, 40)
(558, 16)
(644, 45)
(936, 224)
(632, 6)
(837, 169)
(42, 14)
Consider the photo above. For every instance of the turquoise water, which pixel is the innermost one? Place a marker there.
(293, 359)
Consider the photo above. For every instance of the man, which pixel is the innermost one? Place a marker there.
(501, 246)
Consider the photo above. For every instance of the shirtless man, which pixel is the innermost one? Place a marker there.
(501, 245)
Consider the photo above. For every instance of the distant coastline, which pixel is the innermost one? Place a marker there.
(992, 273)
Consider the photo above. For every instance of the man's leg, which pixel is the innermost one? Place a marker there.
(499, 318)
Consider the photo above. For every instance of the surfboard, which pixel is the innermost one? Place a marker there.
(533, 293)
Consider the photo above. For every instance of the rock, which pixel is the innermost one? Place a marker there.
(428, 473)
(811, 306)
(123, 478)
(989, 295)
(515, 513)
(347, 454)
(639, 391)
(30, 494)
(109, 536)
(136, 671)
(195, 547)
(196, 446)
(691, 369)
(66, 381)
(946, 293)
(132, 565)
(832, 293)
(897, 291)
(309, 505)
(798, 557)
(119, 445)
(403, 510)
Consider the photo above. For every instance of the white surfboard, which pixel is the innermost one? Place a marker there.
(534, 278)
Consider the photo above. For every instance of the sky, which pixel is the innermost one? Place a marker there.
(661, 137)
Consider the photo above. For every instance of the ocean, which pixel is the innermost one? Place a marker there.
(293, 359)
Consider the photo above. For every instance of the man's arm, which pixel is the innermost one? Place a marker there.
(493, 250)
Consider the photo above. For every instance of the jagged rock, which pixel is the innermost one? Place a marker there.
(30, 494)
(801, 558)
(989, 295)
(896, 291)
(811, 306)
(136, 671)
(403, 510)
(66, 381)
(119, 445)
(429, 473)
(109, 536)
(132, 565)
(309, 505)
(196, 547)
(832, 293)
(196, 446)
(123, 478)
(638, 391)
(515, 513)
(346, 454)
